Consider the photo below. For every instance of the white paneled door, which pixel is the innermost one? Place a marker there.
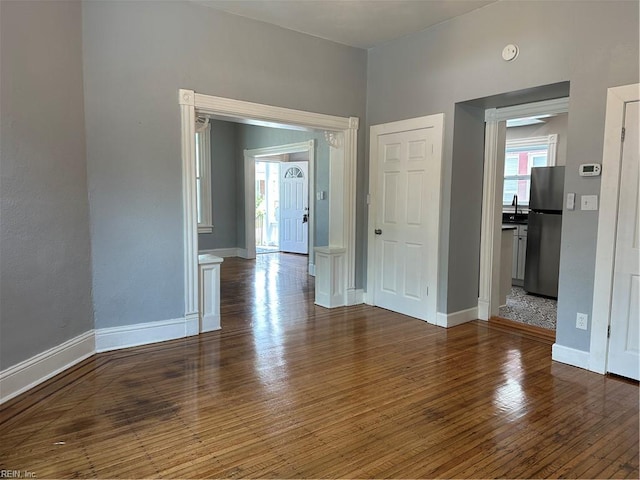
(294, 207)
(406, 202)
(624, 358)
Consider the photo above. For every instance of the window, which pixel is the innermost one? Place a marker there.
(521, 156)
(203, 176)
(294, 172)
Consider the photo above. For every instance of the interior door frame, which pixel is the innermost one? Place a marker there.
(493, 180)
(430, 121)
(251, 156)
(617, 97)
(343, 154)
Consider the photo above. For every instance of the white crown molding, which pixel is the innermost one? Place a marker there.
(31, 372)
(271, 115)
(280, 149)
(554, 107)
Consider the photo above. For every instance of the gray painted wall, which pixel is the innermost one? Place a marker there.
(136, 57)
(225, 157)
(466, 186)
(45, 279)
(594, 45)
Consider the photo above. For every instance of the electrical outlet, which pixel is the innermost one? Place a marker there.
(581, 321)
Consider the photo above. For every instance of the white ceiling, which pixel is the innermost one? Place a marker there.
(358, 23)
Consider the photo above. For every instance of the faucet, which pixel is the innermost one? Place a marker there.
(514, 203)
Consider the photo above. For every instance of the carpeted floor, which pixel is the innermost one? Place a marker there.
(530, 309)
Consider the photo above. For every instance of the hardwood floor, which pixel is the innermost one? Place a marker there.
(288, 389)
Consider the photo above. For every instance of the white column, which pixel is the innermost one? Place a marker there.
(209, 292)
(190, 225)
(490, 238)
(330, 288)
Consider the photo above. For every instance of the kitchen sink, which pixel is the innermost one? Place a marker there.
(517, 218)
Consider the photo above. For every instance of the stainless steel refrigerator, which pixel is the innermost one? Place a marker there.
(544, 229)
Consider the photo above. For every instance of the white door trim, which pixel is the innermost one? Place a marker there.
(492, 192)
(607, 221)
(436, 121)
(250, 158)
(342, 186)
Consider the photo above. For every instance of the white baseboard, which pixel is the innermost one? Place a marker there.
(456, 318)
(483, 310)
(192, 324)
(367, 298)
(312, 269)
(115, 338)
(227, 252)
(355, 296)
(570, 356)
(210, 323)
(35, 370)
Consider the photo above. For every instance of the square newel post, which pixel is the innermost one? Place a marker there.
(209, 266)
(330, 285)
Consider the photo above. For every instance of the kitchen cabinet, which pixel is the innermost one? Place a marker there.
(519, 255)
(505, 262)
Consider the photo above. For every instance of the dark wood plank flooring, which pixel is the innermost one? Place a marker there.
(291, 390)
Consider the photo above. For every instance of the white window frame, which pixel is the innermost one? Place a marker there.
(551, 141)
(203, 141)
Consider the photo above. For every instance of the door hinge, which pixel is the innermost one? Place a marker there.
(624, 131)
(609, 331)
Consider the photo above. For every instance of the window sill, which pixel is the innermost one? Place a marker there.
(205, 229)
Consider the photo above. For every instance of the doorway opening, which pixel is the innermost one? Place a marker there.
(281, 201)
(341, 134)
(532, 204)
(282, 204)
(507, 249)
(267, 207)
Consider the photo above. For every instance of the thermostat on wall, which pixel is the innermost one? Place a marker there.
(590, 169)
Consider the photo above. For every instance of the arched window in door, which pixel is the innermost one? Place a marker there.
(293, 172)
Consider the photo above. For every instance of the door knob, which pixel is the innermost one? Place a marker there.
(377, 231)
(305, 218)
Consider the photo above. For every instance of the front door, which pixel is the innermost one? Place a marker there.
(406, 202)
(624, 358)
(294, 207)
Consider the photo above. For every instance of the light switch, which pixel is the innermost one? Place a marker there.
(589, 202)
(571, 201)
